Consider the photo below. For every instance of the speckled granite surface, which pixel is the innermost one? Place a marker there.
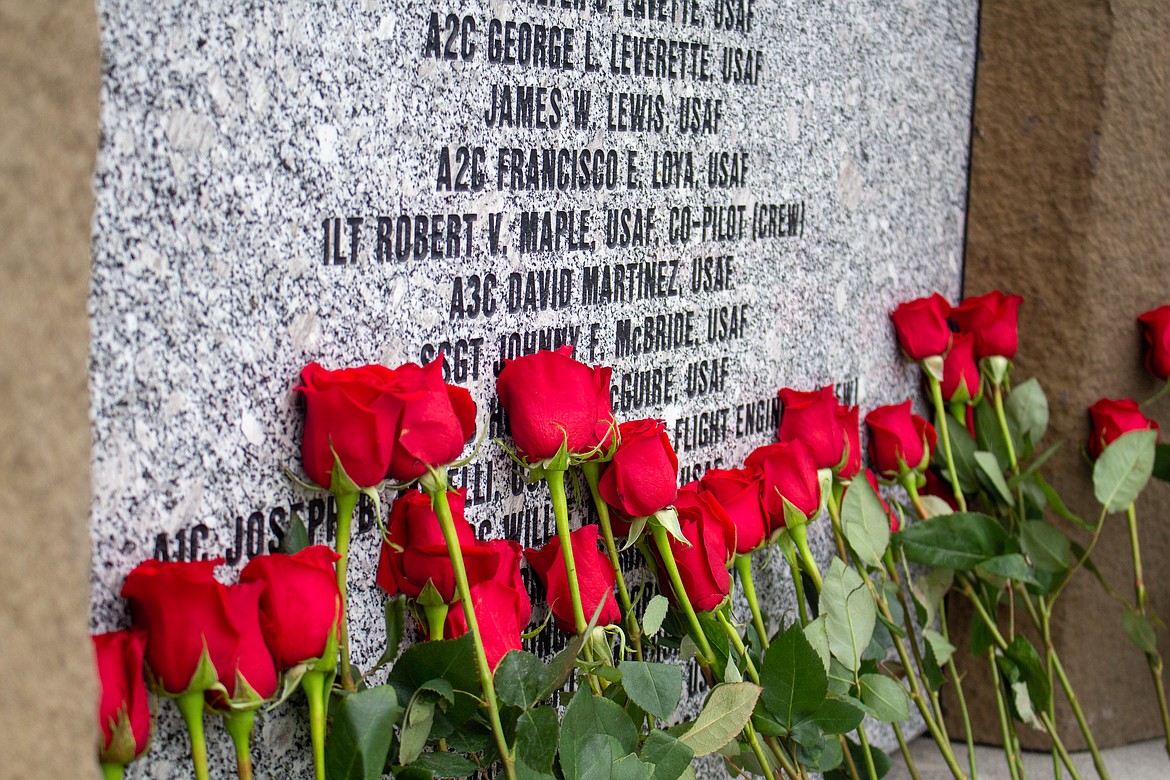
(287, 182)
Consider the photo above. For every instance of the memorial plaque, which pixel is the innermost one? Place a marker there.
(717, 198)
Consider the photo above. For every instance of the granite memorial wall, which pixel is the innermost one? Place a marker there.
(717, 198)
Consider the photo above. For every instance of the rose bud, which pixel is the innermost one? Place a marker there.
(354, 410)
(124, 707)
(300, 607)
(595, 577)
(992, 320)
(738, 492)
(499, 610)
(437, 420)
(414, 551)
(642, 478)
(702, 565)
(251, 676)
(812, 418)
(899, 441)
(1156, 329)
(1111, 418)
(188, 621)
(960, 381)
(922, 327)
(788, 474)
(552, 401)
(847, 416)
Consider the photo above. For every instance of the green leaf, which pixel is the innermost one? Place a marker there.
(416, 725)
(654, 687)
(727, 711)
(938, 644)
(1032, 671)
(864, 522)
(363, 726)
(1140, 631)
(296, 536)
(630, 767)
(561, 666)
(963, 448)
(395, 616)
(586, 718)
(1057, 504)
(668, 520)
(836, 716)
(928, 591)
(1045, 545)
(881, 763)
(452, 660)
(655, 613)
(818, 638)
(1027, 406)
(670, 757)
(885, 697)
(932, 668)
(1012, 566)
(989, 436)
(794, 679)
(536, 738)
(445, 765)
(1162, 462)
(1123, 469)
(990, 475)
(959, 541)
(521, 679)
(849, 612)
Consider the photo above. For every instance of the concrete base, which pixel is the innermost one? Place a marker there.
(1138, 761)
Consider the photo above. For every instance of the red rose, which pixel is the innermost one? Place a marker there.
(437, 420)
(643, 475)
(847, 416)
(812, 418)
(507, 573)
(788, 472)
(922, 327)
(738, 492)
(960, 380)
(498, 611)
(1156, 328)
(595, 576)
(414, 551)
(552, 399)
(353, 409)
(992, 320)
(1111, 418)
(124, 707)
(300, 607)
(183, 609)
(702, 565)
(899, 441)
(252, 664)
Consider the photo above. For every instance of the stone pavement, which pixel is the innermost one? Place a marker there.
(1140, 761)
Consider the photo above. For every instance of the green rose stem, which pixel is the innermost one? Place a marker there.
(1143, 607)
(442, 507)
(317, 692)
(592, 471)
(113, 771)
(1158, 396)
(789, 552)
(940, 416)
(191, 707)
(833, 503)
(1001, 417)
(743, 565)
(662, 542)
(239, 726)
(1004, 721)
(436, 620)
(346, 502)
(556, 489)
(799, 535)
(907, 756)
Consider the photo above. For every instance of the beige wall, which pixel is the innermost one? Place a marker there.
(1070, 207)
(49, 73)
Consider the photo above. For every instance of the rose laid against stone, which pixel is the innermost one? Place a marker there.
(414, 551)
(354, 410)
(1111, 418)
(812, 418)
(183, 609)
(922, 326)
(848, 417)
(788, 472)
(437, 420)
(642, 478)
(124, 707)
(961, 382)
(702, 565)
(251, 675)
(300, 607)
(499, 612)
(738, 492)
(1156, 329)
(507, 573)
(552, 399)
(595, 576)
(992, 320)
(899, 441)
